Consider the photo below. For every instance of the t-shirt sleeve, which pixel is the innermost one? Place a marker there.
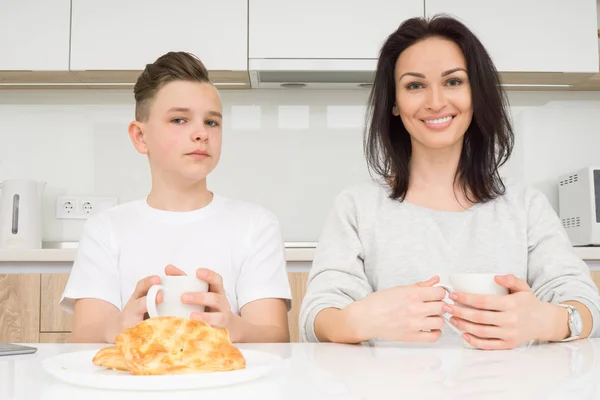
(263, 274)
(95, 272)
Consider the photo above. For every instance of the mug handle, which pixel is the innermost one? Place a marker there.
(449, 290)
(151, 300)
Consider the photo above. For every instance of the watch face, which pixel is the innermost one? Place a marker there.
(576, 323)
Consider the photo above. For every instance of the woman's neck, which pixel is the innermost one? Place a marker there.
(433, 182)
(435, 168)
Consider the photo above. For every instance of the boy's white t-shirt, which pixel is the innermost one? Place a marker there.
(240, 241)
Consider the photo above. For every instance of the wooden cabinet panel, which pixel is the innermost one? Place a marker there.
(52, 318)
(55, 337)
(298, 285)
(596, 278)
(19, 308)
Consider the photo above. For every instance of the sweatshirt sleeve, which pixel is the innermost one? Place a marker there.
(337, 277)
(555, 272)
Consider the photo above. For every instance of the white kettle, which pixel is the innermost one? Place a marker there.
(21, 214)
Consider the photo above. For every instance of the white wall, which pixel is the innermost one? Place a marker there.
(291, 151)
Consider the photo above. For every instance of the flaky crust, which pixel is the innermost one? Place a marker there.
(111, 358)
(170, 345)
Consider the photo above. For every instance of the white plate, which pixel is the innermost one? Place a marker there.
(77, 369)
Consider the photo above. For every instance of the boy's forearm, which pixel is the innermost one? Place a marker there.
(90, 333)
(100, 331)
(112, 328)
(247, 332)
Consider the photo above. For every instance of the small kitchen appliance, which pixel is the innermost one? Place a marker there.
(21, 214)
(579, 205)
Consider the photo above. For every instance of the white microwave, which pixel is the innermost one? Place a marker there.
(579, 206)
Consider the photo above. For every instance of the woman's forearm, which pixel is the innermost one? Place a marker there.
(340, 326)
(558, 317)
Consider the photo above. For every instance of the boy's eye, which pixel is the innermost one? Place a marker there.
(414, 86)
(212, 123)
(178, 121)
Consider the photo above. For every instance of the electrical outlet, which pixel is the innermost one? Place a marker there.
(82, 207)
(87, 208)
(66, 206)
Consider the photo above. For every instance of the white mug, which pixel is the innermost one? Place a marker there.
(172, 288)
(474, 284)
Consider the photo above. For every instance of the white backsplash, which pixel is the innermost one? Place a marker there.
(291, 151)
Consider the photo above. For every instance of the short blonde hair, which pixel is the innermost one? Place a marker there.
(172, 66)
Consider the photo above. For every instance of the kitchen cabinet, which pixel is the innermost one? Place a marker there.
(352, 29)
(529, 36)
(121, 36)
(72, 43)
(298, 287)
(331, 44)
(34, 35)
(19, 308)
(29, 310)
(52, 318)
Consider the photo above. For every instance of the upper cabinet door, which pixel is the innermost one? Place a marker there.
(127, 35)
(325, 28)
(531, 35)
(34, 35)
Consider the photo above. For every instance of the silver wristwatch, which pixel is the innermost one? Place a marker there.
(575, 323)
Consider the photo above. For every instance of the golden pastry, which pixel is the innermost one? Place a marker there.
(170, 345)
(111, 358)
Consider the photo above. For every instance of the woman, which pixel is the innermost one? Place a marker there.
(439, 130)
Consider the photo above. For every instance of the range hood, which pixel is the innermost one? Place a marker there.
(311, 73)
(359, 73)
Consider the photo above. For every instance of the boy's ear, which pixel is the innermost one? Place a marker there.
(136, 134)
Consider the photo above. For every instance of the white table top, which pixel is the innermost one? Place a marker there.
(444, 370)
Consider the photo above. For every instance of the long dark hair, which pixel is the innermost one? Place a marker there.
(489, 139)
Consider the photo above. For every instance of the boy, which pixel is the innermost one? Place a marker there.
(181, 227)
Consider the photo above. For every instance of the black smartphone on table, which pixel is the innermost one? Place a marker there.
(11, 349)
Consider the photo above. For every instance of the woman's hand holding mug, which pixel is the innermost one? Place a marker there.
(403, 313)
(495, 312)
